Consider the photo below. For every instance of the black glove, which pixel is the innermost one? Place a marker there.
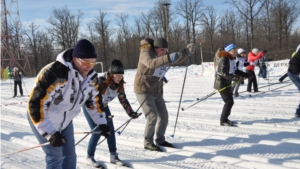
(56, 140)
(105, 131)
(133, 115)
(265, 51)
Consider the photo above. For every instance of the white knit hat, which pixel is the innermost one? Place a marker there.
(255, 50)
(240, 50)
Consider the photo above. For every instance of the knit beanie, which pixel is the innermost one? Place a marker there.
(84, 49)
(160, 43)
(116, 67)
(228, 47)
(240, 50)
(255, 50)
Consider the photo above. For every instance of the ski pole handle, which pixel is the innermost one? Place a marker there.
(28, 148)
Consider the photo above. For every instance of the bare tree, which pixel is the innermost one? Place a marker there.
(209, 24)
(101, 26)
(32, 42)
(65, 26)
(192, 11)
(267, 24)
(250, 10)
(124, 35)
(176, 33)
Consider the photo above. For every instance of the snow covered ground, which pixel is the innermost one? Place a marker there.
(267, 136)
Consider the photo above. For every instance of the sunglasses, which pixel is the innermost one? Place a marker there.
(86, 63)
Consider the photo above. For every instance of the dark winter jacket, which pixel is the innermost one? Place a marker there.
(16, 75)
(294, 64)
(226, 71)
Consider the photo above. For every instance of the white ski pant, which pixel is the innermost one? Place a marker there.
(156, 113)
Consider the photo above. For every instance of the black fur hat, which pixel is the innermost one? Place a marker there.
(116, 67)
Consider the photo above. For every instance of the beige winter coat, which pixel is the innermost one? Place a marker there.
(144, 80)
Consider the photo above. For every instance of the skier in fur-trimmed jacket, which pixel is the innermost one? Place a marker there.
(60, 90)
(149, 90)
(225, 74)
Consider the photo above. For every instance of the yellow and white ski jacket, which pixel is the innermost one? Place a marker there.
(59, 93)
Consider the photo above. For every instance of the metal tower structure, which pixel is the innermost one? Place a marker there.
(13, 53)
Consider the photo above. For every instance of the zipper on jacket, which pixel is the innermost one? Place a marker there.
(78, 93)
(62, 123)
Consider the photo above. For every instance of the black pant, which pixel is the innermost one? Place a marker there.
(283, 77)
(252, 80)
(228, 99)
(19, 83)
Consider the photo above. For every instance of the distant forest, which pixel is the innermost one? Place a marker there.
(264, 24)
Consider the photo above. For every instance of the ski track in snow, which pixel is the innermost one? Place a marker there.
(267, 135)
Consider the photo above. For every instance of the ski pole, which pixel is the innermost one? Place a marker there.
(111, 116)
(25, 149)
(271, 90)
(267, 62)
(268, 85)
(126, 123)
(86, 135)
(87, 132)
(25, 86)
(10, 84)
(213, 93)
(186, 69)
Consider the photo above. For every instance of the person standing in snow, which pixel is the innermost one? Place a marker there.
(286, 75)
(111, 85)
(241, 63)
(61, 89)
(151, 67)
(294, 73)
(17, 76)
(253, 58)
(226, 72)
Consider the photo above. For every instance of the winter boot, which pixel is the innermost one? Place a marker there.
(92, 162)
(152, 147)
(166, 144)
(114, 159)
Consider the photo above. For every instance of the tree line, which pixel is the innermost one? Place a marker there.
(263, 24)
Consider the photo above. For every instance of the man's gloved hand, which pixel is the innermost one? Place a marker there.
(190, 48)
(105, 131)
(56, 140)
(264, 51)
(133, 115)
(174, 57)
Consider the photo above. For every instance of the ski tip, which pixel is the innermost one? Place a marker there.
(172, 135)
(119, 132)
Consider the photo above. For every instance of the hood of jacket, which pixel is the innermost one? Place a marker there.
(225, 55)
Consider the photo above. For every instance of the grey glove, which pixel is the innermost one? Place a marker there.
(190, 48)
(174, 57)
